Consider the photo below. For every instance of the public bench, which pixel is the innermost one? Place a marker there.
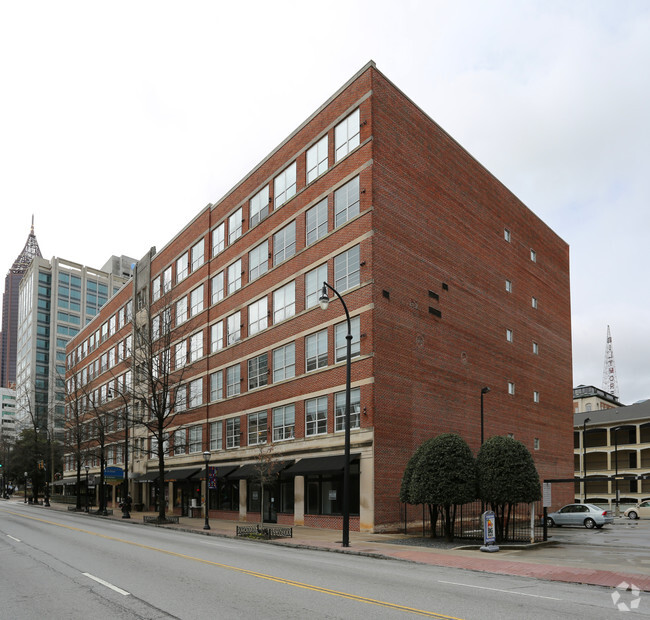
(265, 530)
(154, 519)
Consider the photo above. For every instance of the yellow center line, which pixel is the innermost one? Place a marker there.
(258, 575)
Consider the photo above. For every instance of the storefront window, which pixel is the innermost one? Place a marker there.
(324, 493)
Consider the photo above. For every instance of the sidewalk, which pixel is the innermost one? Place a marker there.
(542, 561)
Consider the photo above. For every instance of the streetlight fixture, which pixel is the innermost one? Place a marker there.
(206, 458)
(324, 300)
(48, 470)
(584, 459)
(484, 391)
(615, 431)
(87, 467)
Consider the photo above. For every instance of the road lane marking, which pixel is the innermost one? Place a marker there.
(12, 538)
(107, 584)
(467, 585)
(244, 571)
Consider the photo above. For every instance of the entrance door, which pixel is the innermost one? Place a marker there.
(270, 510)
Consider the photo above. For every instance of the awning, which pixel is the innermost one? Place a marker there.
(321, 465)
(252, 470)
(222, 471)
(180, 475)
(148, 476)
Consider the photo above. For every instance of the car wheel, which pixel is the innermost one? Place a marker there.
(550, 522)
(632, 515)
(589, 523)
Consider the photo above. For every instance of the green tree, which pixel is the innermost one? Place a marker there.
(506, 476)
(443, 476)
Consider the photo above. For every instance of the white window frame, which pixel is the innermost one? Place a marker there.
(284, 186)
(233, 380)
(216, 436)
(347, 135)
(216, 386)
(284, 362)
(511, 388)
(198, 254)
(509, 286)
(259, 206)
(284, 243)
(216, 337)
(258, 371)
(535, 348)
(347, 202)
(257, 428)
(316, 350)
(284, 302)
(182, 267)
(217, 288)
(180, 441)
(156, 288)
(219, 239)
(180, 354)
(316, 222)
(234, 276)
(258, 319)
(181, 311)
(536, 396)
(317, 159)
(196, 300)
(314, 284)
(509, 335)
(195, 439)
(235, 226)
(533, 255)
(196, 346)
(340, 339)
(167, 280)
(233, 433)
(347, 269)
(258, 261)
(355, 410)
(506, 235)
(316, 416)
(284, 422)
(233, 327)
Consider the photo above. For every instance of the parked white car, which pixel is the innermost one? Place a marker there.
(640, 511)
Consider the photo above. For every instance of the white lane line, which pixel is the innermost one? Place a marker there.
(12, 538)
(105, 583)
(467, 585)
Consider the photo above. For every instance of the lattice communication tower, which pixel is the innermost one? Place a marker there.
(610, 381)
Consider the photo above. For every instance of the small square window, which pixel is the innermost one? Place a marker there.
(509, 286)
(536, 443)
(506, 235)
(533, 302)
(535, 397)
(511, 388)
(509, 335)
(535, 348)
(533, 256)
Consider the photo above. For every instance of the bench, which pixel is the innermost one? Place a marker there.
(154, 519)
(266, 531)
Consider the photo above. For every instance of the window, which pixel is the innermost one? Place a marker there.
(506, 235)
(509, 335)
(258, 261)
(346, 135)
(535, 397)
(234, 327)
(198, 254)
(258, 371)
(259, 206)
(284, 302)
(346, 202)
(534, 302)
(167, 280)
(181, 268)
(340, 338)
(181, 354)
(234, 276)
(355, 409)
(284, 243)
(155, 328)
(313, 285)
(509, 286)
(218, 239)
(196, 346)
(196, 439)
(316, 416)
(196, 300)
(196, 393)
(258, 316)
(181, 311)
(284, 362)
(316, 350)
(181, 399)
(316, 222)
(216, 436)
(235, 225)
(216, 337)
(536, 443)
(233, 378)
(217, 288)
(347, 272)
(511, 388)
(284, 186)
(533, 255)
(232, 433)
(155, 289)
(216, 386)
(257, 428)
(535, 348)
(284, 422)
(317, 159)
(180, 441)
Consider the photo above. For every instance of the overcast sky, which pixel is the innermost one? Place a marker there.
(120, 121)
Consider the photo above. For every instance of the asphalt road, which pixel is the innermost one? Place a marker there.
(60, 565)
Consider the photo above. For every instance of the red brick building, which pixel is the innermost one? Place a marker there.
(452, 285)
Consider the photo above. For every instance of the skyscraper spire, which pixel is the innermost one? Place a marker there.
(610, 381)
(30, 250)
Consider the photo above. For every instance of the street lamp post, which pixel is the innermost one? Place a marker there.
(484, 391)
(26, 487)
(323, 300)
(87, 467)
(48, 470)
(206, 458)
(584, 459)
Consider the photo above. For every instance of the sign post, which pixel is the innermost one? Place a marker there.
(489, 532)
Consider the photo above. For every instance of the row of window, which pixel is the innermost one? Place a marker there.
(507, 235)
(512, 390)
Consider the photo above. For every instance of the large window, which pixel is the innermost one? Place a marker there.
(156, 287)
(233, 378)
(346, 135)
(217, 288)
(284, 243)
(234, 327)
(216, 386)
(234, 276)
(216, 337)
(317, 159)
(258, 261)
(346, 202)
(167, 280)
(316, 350)
(284, 362)
(219, 239)
(257, 428)
(235, 225)
(259, 206)
(216, 436)
(316, 416)
(196, 438)
(284, 302)
(181, 267)
(196, 346)
(347, 272)
(181, 354)
(198, 254)
(232, 433)
(314, 284)
(355, 409)
(196, 300)
(284, 422)
(258, 371)
(258, 316)
(284, 186)
(181, 311)
(316, 222)
(196, 393)
(340, 338)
